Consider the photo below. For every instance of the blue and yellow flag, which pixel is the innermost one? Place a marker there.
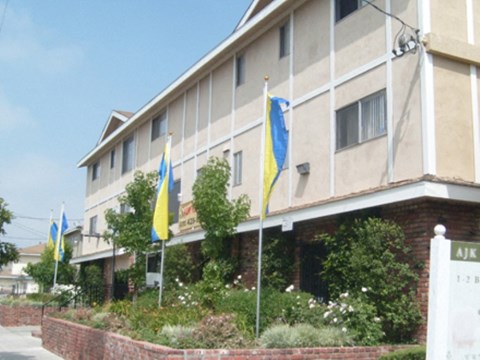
(276, 144)
(52, 234)
(165, 185)
(60, 248)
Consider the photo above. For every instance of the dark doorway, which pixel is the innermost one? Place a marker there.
(312, 256)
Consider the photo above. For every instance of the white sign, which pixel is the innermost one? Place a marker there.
(454, 299)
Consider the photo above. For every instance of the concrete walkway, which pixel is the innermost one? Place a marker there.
(17, 343)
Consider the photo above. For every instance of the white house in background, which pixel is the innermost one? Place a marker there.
(12, 277)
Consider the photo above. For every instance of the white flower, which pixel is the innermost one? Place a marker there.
(239, 277)
(235, 282)
(289, 289)
(180, 284)
(376, 319)
(344, 329)
(253, 288)
(311, 305)
(298, 296)
(335, 320)
(344, 295)
(364, 289)
(326, 314)
(227, 286)
(350, 308)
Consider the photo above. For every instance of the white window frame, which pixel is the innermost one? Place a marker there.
(112, 159)
(93, 225)
(338, 4)
(240, 70)
(160, 129)
(96, 171)
(128, 155)
(367, 127)
(284, 39)
(237, 168)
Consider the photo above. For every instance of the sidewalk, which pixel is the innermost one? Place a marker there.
(17, 343)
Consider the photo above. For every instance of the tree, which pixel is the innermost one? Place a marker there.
(369, 258)
(217, 215)
(132, 230)
(43, 272)
(8, 251)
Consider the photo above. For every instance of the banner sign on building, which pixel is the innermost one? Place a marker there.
(454, 299)
(187, 219)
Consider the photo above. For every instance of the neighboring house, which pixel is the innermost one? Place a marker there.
(380, 121)
(13, 279)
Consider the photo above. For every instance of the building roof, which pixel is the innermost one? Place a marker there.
(33, 250)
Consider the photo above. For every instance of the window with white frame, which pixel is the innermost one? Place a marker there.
(344, 8)
(284, 33)
(361, 121)
(240, 70)
(237, 168)
(93, 225)
(128, 154)
(159, 126)
(95, 171)
(112, 159)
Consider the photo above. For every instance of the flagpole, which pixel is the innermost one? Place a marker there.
(56, 252)
(160, 290)
(261, 194)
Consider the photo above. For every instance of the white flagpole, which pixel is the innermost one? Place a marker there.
(167, 179)
(260, 227)
(160, 291)
(56, 252)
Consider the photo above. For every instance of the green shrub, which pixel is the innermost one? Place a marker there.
(303, 335)
(218, 332)
(372, 254)
(416, 353)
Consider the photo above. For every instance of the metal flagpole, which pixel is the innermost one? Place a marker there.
(167, 179)
(160, 291)
(260, 227)
(56, 252)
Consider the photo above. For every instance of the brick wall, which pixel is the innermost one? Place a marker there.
(73, 341)
(22, 315)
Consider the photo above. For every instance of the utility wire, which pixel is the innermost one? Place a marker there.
(389, 14)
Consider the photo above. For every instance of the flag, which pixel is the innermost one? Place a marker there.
(276, 143)
(52, 234)
(60, 248)
(165, 185)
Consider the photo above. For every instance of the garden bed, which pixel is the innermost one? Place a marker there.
(73, 341)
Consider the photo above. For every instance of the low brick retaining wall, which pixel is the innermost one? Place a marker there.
(74, 341)
(22, 315)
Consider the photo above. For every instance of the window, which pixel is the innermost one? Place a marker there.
(237, 168)
(173, 203)
(125, 209)
(239, 70)
(346, 7)
(93, 225)
(285, 39)
(159, 126)
(128, 154)
(112, 159)
(361, 121)
(95, 171)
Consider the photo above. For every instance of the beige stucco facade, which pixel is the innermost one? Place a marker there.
(431, 110)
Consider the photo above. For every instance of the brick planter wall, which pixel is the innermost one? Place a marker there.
(22, 315)
(73, 341)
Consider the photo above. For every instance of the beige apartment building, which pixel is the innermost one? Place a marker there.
(383, 118)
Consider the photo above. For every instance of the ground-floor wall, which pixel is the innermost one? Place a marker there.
(417, 219)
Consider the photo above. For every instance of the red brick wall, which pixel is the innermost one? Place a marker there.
(22, 315)
(73, 341)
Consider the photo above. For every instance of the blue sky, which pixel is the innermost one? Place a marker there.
(64, 65)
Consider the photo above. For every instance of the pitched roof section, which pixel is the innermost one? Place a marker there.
(33, 250)
(255, 7)
(117, 118)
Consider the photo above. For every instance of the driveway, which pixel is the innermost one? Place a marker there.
(17, 343)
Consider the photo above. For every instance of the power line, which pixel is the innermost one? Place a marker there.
(389, 14)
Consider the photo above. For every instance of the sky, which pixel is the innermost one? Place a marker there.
(64, 66)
